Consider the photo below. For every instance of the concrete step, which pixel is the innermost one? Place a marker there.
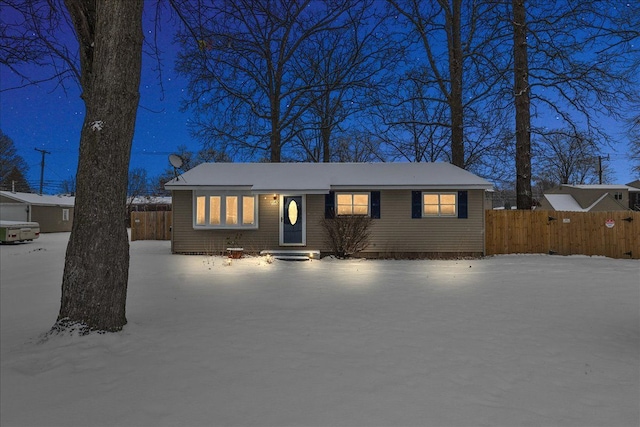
(292, 254)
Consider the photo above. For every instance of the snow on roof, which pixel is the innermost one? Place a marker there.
(40, 200)
(564, 202)
(599, 186)
(152, 200)
(323, 177)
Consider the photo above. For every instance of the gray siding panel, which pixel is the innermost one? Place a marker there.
(50, 218)
(394, 232)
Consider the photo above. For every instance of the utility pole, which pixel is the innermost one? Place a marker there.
(600, 167)
(42, 167)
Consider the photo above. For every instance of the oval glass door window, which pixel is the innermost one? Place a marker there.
(292, 212)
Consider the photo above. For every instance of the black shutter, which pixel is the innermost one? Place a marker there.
(463, 204)
(416, 204)
(330, 205)
(375, 204)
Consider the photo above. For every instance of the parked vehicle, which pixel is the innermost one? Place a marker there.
(18, 231)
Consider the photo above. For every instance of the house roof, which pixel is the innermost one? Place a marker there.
(566, 202)
(40, 199)
(323, 177)
(634, 186)
(605, 187)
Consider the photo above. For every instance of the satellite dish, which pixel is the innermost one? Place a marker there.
(176, 161)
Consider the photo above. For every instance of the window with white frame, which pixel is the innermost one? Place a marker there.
(352, 203)
(439, 204)
(225, 211)
(65, 214)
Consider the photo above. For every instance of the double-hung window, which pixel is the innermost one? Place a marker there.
(225, 211)
(352, 204)
(439, 204)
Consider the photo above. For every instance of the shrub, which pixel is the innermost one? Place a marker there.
(347, 234)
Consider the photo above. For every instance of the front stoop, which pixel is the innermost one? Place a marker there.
(292, 254)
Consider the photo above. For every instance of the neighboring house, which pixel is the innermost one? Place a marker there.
(418, 209)
(53, 213)
(587, 198)
(634, 195)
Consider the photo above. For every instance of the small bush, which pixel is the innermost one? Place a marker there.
(347, 234)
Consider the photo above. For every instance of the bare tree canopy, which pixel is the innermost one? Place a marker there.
(38, 32)
(565, 157)
(256, 68)
(459, 74)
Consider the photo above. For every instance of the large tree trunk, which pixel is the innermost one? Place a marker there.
(453, 26)
(94, 285)
(522, 105)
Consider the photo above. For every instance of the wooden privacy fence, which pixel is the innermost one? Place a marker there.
(151, 225)
(611, 234)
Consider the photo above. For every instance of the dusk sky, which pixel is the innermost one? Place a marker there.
(47, 118)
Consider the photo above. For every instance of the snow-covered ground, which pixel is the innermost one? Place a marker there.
(529, 340)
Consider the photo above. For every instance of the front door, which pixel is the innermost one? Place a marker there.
(292, 223)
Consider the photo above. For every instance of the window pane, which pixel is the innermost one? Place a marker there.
(345, 204)
(248, 212)
(430, 210)
(360, 210)
(214, 210)
(430, 199)
(448, 209)
(448, 199)
(232, 210)
(345, 210)
(361, 199)
(200, 208)
(345, 199)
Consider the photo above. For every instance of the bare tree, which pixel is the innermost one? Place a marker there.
(357, 147)
(565, 157)
(30, 34)
(13, 167)
(107, 68)
(412, 128)
(68, 186)
(243, 75)
(581, 65)
(137, 186)
(521, 88)
(634, 143)
(138, 183)
(94, 284)
(343, 68)
(461, 67)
